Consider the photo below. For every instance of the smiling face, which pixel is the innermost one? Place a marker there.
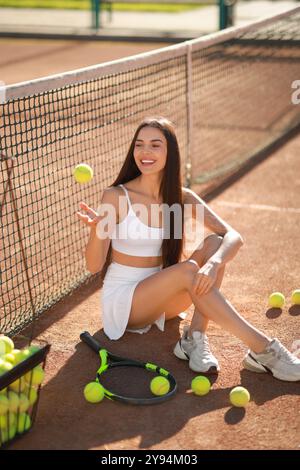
(150, 150)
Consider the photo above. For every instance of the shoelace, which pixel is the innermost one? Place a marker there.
(285, 353)
(203, 343)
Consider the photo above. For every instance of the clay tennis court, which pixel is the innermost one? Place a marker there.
(264, 206)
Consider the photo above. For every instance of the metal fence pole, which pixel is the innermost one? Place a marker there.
(95, 8)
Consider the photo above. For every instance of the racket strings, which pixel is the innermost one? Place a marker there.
(128, 381)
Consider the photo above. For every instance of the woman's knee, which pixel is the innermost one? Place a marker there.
(188, 270)
(213, 242)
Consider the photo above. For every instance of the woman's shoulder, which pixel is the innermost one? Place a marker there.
(189, 196)
(111, 194)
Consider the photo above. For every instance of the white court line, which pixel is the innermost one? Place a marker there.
(261, 207)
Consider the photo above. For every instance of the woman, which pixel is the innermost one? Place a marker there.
(147, 280)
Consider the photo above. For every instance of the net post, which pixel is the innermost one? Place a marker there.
(226, 9)
(95, 7)
(189, 105)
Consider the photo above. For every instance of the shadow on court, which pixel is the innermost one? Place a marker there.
(67, 421)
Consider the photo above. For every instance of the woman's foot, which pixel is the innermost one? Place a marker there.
(196, 350)
(275, 359)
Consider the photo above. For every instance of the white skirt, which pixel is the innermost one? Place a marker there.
(118, 288)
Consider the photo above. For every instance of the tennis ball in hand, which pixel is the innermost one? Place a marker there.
(239, 396)
(6, 345)
(93, 392)
(276, 300)
(159, 385)
(83, 173)
(200, 385)
(296, 297)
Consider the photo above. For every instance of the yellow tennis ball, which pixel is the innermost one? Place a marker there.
(276, 300)
(159, 385)
(31, 394)
(200, 385)
(296, 297)
(21, 355)
(6, 345)
(5, 366)
(13, 401)
(24, 422)
(24, 403)
(35, 376)
(9, 357)
(93, 392)
(18, 385)
(3, 404)
(83, 173)
(7, 420)
(239, 396)
(8, 434)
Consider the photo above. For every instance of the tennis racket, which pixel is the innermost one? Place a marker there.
(109, 361)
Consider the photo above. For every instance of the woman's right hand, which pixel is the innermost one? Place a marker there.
(90, 218)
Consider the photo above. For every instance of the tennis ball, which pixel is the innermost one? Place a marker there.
(13, 401)
(5, 366)
(31, 394)
(18, 385)
(200, 385)
(21, 355)
(7, 420)
(93, 392)
(276, 300)
(24, 422)
(239, 396)
(9, 357)
(159, 385)
(24, 403)
(7, 435)
(83, 173)
(35, 376)
(6, 345)
(296, 297)
(3, 404)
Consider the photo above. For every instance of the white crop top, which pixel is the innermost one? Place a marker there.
(133, 237)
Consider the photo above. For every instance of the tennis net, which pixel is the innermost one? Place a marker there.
(229, 95)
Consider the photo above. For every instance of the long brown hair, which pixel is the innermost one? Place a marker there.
(170, 189)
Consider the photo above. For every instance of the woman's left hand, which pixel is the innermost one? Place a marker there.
(205, 278)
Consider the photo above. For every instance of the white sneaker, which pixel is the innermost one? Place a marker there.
(196, 351)
(275, 359)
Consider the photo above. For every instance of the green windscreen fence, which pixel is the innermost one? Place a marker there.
(230, 96)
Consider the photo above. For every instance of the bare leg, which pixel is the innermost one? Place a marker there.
(199, 321)
(215, 307)
(210, 246)
(154, 294)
